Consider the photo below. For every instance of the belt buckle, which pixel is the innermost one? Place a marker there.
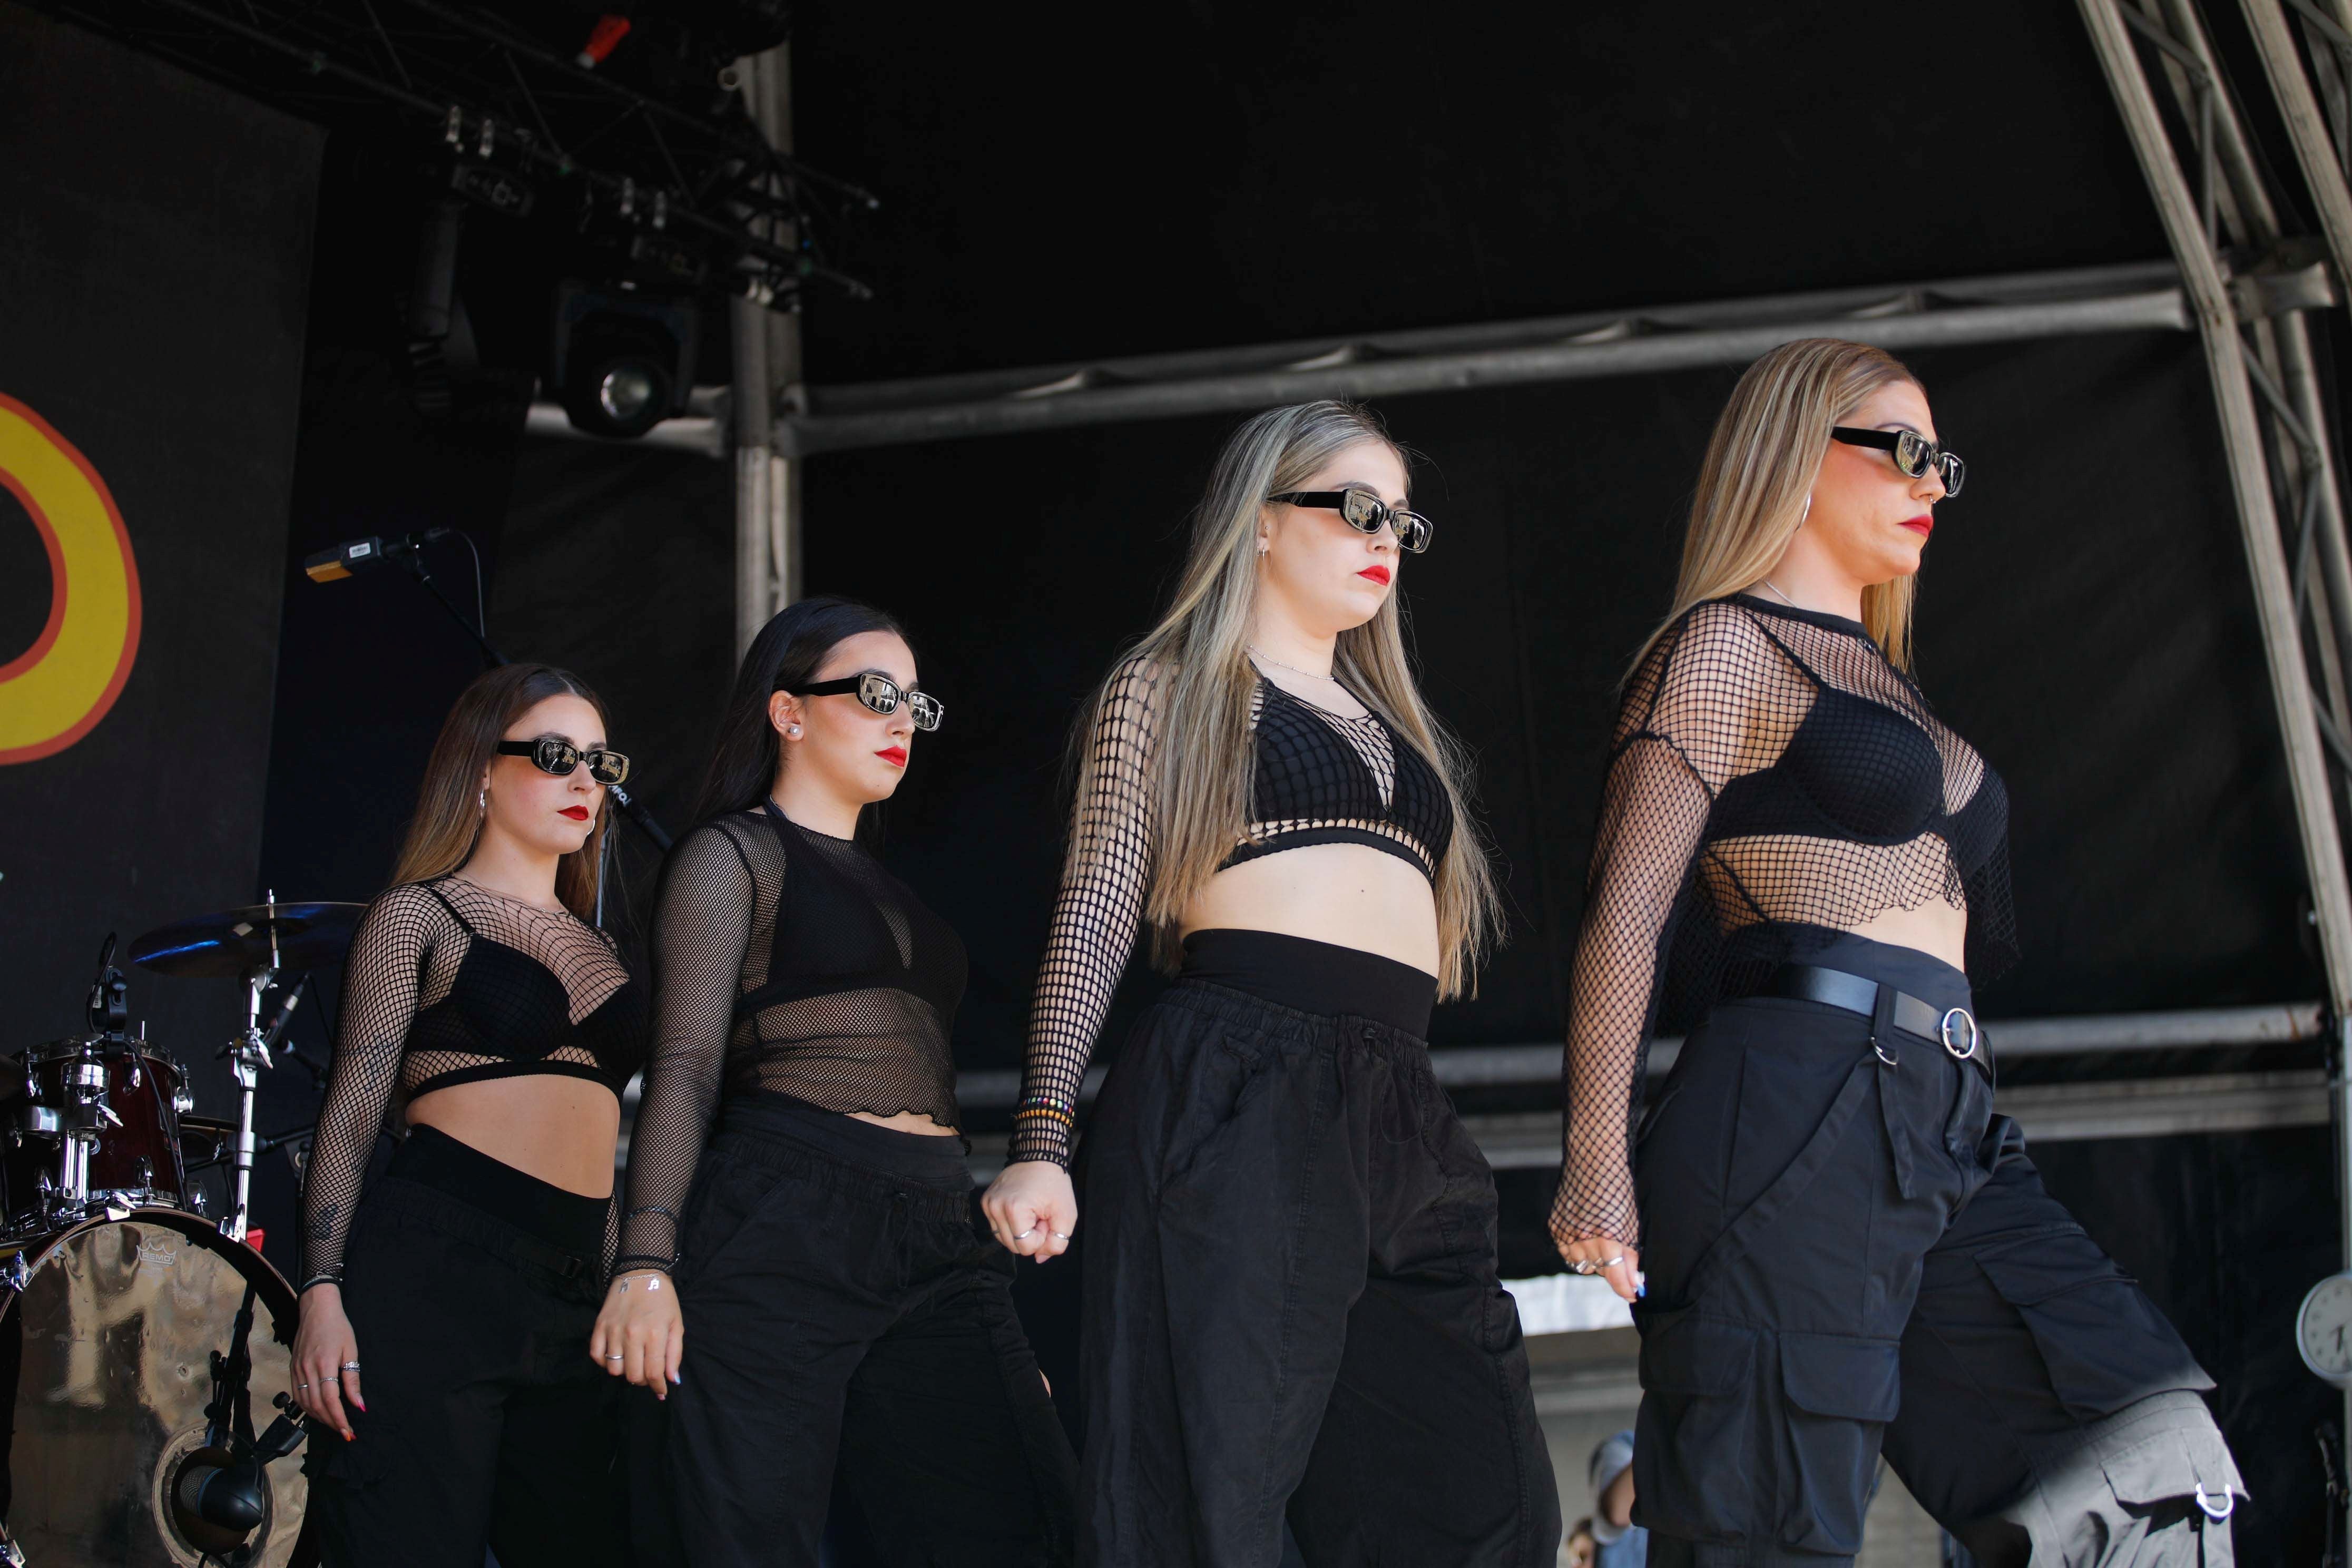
(1944, 1032)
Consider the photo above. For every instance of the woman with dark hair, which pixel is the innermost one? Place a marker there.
(1291, 1306)
(481, 1007)
(1833, 1240)
(801, 1278)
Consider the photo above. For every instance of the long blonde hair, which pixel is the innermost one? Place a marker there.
(1759, 468)
(449, 820)
(1201, 764)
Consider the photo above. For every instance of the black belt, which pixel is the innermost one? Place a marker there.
(1955, 1028)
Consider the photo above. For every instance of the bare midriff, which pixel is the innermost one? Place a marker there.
(1350, 895)
(1936, 928)
(560, 1130)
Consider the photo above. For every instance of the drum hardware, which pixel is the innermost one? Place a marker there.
(259, 944)
(217, 1495)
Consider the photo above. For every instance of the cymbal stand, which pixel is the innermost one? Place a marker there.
(248, 1054)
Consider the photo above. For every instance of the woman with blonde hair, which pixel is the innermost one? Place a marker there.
(485, 1016)
(1832, 1241)
(1290, 1302)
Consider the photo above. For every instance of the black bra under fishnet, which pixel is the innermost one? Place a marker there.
(1772, 780)
(448, 983)
(786, 961)
(1320, 779)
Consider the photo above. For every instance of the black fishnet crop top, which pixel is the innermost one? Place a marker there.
(448, 983)
(1772, 780)
(1324, 779)
(1318, 778)
(786, 961)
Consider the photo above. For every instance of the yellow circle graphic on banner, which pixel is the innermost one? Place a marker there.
(55, 692)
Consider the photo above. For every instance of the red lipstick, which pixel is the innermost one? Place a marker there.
(1377, 573)
(894, 755)
(576, 813)
(1923, 525)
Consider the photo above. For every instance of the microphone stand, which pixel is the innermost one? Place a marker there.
(631, 810)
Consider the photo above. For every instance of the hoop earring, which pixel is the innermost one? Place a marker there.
(1808, 512)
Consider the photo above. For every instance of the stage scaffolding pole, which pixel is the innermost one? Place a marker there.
(2299, 465)
(767, 350)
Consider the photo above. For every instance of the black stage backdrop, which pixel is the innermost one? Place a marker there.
(154, 237)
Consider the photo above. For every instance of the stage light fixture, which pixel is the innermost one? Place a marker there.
(623, 360)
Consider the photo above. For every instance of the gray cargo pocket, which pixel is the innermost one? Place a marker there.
(1841, 1392)
(1697, 1464)
(2103, 1341)
(2175, 1452)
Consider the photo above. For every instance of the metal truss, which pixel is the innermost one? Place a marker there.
(684, 185)
(1459, 358)
(2251, 283)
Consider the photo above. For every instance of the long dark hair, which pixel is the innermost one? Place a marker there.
(786, 653)
(449, 820)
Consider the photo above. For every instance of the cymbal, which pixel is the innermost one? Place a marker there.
(233, 942)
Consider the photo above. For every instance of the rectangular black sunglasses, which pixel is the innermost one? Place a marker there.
(1913, 453)
(552, 756)
(883, 695)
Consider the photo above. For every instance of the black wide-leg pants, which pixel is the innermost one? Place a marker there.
(1291, 1305)
(1846, 1248)
(487, 1423)
(845, 1312)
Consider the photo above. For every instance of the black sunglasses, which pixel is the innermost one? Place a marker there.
(1366, 513)
(1913, 453)
(883, 695)
(550, 755)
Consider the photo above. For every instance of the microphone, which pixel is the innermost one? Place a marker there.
(334, 565)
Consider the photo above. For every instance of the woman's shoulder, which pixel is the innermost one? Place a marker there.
(717, 840)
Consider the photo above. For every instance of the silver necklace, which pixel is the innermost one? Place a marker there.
(1784, 598)
(1292, 668)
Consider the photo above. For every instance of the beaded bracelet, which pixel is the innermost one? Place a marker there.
(1062, 1117)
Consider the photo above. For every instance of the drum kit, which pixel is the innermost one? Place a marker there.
(138, 1334)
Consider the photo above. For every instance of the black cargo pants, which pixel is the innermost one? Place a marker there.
(1845, 1247)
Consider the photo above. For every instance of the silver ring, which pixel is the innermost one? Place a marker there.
(350, 1366)
(1582, 1266)
(301, 1385)
(617, 1357)
(1025, 1235)
(1612, 1263)
(1060, 1235)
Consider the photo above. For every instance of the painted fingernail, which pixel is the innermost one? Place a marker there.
(1640, 1291)
(674, 1378)
(361, 1403)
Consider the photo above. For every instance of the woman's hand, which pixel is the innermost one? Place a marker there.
(640, 1334)
(1033, 1209)
(1622, 1263)
(326, 1359)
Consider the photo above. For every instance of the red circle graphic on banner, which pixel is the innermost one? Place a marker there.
(55, 692)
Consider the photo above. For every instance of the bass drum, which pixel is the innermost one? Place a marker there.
(106, 1349)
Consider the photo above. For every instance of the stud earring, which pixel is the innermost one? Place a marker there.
(482, 802)
(1261, 547)
(793, 731)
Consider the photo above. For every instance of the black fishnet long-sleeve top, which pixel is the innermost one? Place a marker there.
(1318, 778)
(786, 961)
(448, 983)
(1772, 780)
